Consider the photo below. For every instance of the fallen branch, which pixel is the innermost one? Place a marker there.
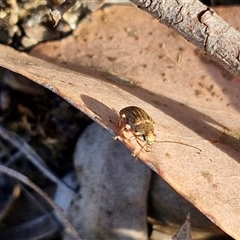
(201, 26)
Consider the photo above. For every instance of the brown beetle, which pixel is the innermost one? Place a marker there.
(141, 125)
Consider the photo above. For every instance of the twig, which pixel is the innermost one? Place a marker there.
(57, 13)
(201, 26)
(34, 158)
(25, 180)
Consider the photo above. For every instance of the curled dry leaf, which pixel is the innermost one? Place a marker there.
(190, 98)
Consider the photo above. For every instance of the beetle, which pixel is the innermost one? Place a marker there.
(141, 125)
(137, 121)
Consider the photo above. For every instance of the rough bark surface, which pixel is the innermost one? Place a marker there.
(200, 25)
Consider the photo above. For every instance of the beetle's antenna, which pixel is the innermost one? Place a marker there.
(185, 144)
(111, 121)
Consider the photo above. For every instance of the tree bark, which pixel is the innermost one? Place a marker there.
(199, 25)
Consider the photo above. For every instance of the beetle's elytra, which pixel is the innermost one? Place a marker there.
(137, 121)
(141, 125)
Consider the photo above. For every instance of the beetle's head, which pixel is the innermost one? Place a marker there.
(150, 138)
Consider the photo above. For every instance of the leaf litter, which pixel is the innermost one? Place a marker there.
(191, 99)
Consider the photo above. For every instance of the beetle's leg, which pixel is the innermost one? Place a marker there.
(134, 154)
(120, 134)
(137, 137)
(123, 124)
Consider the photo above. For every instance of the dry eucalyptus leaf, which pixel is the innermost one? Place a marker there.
(184, 232)
(191, 99)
